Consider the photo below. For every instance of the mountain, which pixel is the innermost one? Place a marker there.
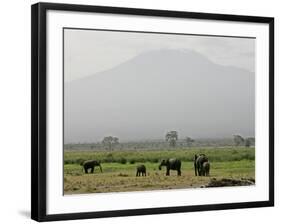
(158, 91)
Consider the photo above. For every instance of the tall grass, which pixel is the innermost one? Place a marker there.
(154, 156)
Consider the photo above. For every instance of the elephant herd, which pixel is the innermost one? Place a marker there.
(201, 166)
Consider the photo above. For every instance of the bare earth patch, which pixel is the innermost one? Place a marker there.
(226, 182)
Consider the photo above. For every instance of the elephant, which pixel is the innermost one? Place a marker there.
(171, 164)
(90, 164)
(141, 170)
(206, 168)
(198, 163)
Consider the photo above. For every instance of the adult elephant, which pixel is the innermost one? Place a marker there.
(171, 164)
(91, 164)
(198, 164)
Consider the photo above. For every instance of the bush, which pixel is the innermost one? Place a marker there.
(141, 160)
(132, 161)
(123, 161)
(154, 160)
(69, 161)
(249, 156)
(79, 161)
(109, 158)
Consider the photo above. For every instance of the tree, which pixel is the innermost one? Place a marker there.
(189, 141)
(110, 142)
(172, 137)
(249, 141)
(238, 140)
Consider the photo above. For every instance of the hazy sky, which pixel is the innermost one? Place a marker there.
(88, 52)
(139, 86)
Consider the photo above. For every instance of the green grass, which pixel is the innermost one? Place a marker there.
(216, 155)
(225, 163)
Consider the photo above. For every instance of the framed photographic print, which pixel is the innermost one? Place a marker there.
(140, 111)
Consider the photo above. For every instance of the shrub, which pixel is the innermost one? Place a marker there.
(69, 161)
(109, 158)
(132, 161)
(141, 160)
(123, 160)
(79, 161)
(154, 160)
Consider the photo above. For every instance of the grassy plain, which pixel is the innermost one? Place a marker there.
(119, 169)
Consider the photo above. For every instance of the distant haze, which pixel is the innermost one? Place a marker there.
(168, 85)
(88, 51)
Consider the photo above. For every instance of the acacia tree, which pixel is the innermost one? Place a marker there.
(238, 140)
(172, 137)
(249, 141)
(189, 141)
(110, 142)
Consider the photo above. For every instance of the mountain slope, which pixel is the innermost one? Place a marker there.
(159, 91)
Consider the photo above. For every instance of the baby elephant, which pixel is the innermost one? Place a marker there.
(206, 168)
(141, 170)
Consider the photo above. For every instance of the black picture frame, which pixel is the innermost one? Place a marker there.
(39, 106)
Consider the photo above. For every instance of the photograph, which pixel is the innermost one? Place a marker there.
(146, 111)
(139, 111)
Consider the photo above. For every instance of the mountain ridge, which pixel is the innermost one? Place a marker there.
(160, 91)
(161, 50)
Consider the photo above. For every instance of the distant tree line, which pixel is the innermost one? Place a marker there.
(240, 141)
(171, 140)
